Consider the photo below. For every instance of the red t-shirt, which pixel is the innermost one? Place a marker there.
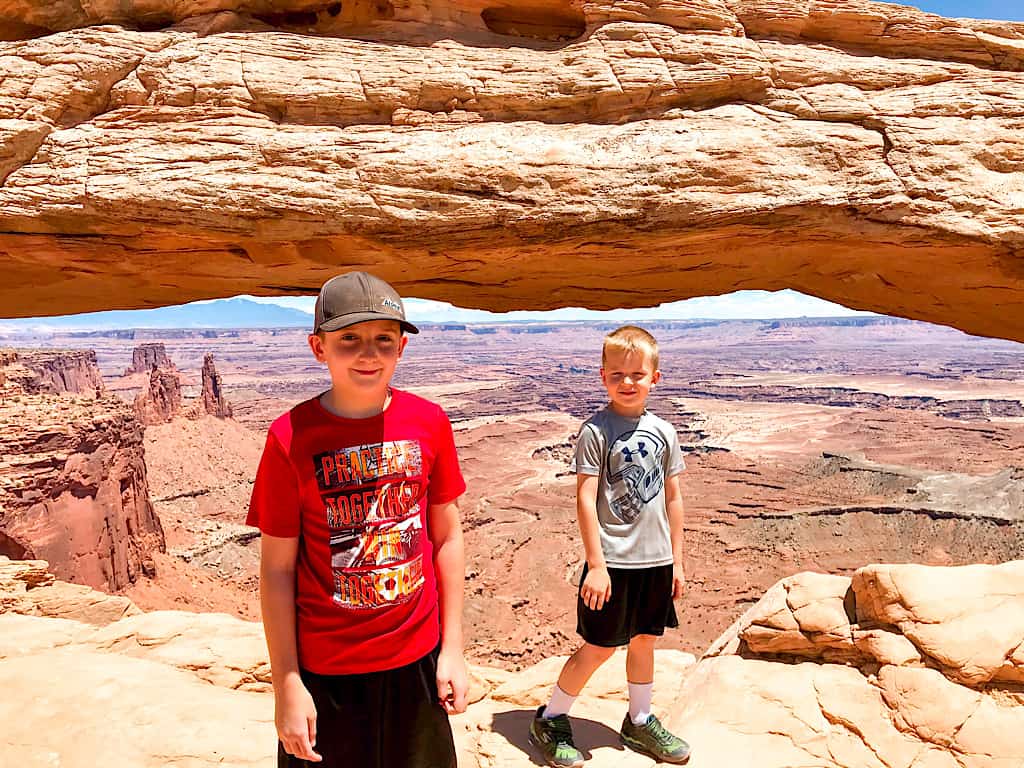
(355, 492)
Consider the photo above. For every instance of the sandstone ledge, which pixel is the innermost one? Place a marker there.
(891, 702)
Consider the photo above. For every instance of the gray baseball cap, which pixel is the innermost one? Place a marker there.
(356, 297)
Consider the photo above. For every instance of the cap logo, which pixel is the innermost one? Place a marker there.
(388, 303)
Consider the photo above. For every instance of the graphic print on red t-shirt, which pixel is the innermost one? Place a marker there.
(370, 496)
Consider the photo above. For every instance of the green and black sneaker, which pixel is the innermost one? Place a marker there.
(554, 740)
(653, 740)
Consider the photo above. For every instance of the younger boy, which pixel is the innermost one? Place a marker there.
(361, 565)
(630, 513)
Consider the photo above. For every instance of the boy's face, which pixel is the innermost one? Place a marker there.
(362, 357)
(628, 377)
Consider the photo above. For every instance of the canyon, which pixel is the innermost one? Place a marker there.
(810, 444)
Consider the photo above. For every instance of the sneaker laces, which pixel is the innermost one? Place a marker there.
(659, 732)
(561, 730)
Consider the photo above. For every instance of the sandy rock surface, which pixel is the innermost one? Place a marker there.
(114, 708)
(872, 150)
(921, 652)
(893, 705)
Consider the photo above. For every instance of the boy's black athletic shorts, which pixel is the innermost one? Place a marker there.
(390, 719)
(641, 604)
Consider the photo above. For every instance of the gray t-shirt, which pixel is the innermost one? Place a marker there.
(632, 458)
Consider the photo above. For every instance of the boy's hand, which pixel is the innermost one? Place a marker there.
(452, 681)
(596, 589)
(678, 581)
(295, 718)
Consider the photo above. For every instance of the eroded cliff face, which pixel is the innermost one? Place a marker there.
(73, 486)
(507, 156)
(146, 357)
(53, 371)
(161, 401)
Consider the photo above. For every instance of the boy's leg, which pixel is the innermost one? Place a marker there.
(642, 731)
(580, 668)
(602, 631)
(550, 730)
(652, 611)
(640, 676)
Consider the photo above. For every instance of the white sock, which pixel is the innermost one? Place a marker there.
(560, 704)
(640, 695)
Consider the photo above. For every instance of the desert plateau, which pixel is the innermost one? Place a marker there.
(810, 445)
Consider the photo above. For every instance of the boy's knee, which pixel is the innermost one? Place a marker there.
(598, 652)
(641, 641)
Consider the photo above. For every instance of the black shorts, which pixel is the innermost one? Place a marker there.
(641, 604)
(390, 719)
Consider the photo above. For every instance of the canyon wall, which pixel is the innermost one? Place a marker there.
(73, 486)
(54, 371)
(147, 356)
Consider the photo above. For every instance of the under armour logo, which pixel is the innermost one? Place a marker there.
(641, 449)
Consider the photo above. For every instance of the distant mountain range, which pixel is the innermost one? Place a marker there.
(225, 315)
(241, 313)
(221, 313)
(297, 312)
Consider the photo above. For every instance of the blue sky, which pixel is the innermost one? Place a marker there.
(1010, 10)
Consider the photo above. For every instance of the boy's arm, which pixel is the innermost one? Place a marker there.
(596, 589)
(674, 508)
(445, 533)
(294, 711)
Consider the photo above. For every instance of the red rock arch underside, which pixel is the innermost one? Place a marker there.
(508, 155)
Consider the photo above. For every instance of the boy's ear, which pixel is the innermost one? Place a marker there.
(656, 377)
(316, 345)
(401, 345)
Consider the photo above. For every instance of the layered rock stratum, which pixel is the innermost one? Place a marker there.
(910, 666)
(146, 357)
(161, 401)
(53, 371)
(503, 155)
(73, 486)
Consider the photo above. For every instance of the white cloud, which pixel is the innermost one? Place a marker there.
(740, 304)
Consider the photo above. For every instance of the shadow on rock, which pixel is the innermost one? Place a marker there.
(514, 725)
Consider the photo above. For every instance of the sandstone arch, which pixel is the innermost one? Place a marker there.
(504, 155)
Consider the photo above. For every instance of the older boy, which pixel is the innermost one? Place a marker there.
(361, 565)
(630, 514)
